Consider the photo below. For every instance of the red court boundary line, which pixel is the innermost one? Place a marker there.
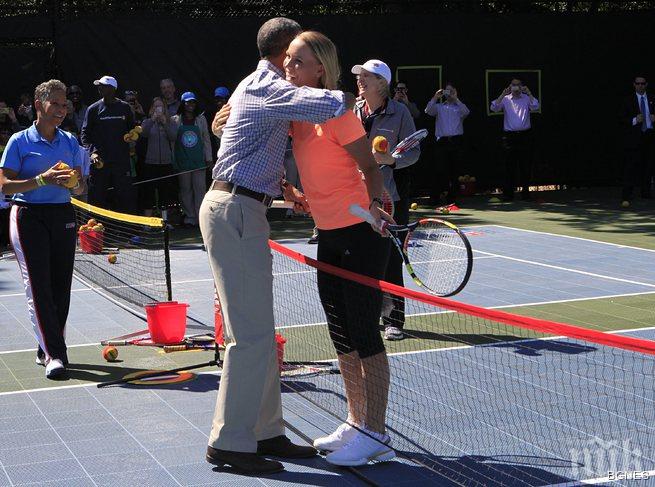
(640, 345)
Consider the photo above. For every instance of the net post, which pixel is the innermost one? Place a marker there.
(167, 260)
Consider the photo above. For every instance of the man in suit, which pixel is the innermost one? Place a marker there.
(638, 120)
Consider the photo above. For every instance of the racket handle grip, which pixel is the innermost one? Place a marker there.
(175, 348)
(114, 343)
(282, 204)
(360, 212)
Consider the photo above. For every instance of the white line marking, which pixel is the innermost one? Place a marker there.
(575, 238)
(75, 386)
(560, 268)
(504, 306)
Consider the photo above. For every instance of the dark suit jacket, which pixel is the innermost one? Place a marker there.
(629, 110)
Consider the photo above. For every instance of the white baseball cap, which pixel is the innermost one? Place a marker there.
(373, 66)
(107, 81)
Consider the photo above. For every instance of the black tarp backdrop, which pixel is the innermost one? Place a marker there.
(587, 64)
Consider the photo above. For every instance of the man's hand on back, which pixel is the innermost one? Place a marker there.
(220, 119)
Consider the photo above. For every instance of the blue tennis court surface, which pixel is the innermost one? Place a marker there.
(157, 436)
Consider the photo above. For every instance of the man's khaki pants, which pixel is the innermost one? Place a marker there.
(249, 405)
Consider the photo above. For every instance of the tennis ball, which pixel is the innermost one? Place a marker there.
(110, 353)
(92, 222)
(445, 211)
(413, 206)
(625, 204)
(494, 200)
(111, 258)
(380, 144)
(138, 129)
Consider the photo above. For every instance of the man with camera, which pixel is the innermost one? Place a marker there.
(400, 95)
(450, 113)
(638, 122)
(516, 102)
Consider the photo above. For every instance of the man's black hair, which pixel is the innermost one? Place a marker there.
(275, 36)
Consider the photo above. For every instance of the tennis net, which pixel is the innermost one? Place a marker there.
(480, 397)
(127, 256)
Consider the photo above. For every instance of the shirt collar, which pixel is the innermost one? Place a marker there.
(34, 136)
(266, 64)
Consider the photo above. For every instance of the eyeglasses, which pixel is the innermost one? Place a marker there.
(131, 93)
(401, 89)
(640, 83)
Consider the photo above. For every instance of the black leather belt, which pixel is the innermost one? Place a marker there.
(235, 189)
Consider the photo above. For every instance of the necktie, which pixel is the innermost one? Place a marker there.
(642, 107)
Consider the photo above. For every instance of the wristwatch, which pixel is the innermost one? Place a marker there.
(378, 201)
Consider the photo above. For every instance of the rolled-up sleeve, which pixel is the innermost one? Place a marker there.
(497, 107)
(432, 108)
(303, 104)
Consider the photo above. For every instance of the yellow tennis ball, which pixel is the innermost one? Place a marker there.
(111, 258)
(413, 206)
(625, 204)
(110, 353)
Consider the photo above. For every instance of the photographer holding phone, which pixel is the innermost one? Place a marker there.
(516, 102)
(160, 132)
(450, 113)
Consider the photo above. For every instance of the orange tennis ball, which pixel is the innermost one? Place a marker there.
(111, 258)
(380, 144)
(110, 353)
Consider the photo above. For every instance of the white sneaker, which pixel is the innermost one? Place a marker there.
(54, 368)
(40, 360)
(362, 449)
(393, 333)
(342, 435)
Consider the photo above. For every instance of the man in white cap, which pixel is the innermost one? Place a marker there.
(105, 124)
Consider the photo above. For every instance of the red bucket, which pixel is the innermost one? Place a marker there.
(166, 322)
(280, 341)
(91, 242)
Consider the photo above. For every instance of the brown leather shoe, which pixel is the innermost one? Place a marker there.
(241, 462)
(281, 446)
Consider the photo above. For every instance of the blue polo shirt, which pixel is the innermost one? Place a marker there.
(29, 155)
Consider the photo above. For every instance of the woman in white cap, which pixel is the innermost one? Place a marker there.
(382, 115)
(193, 153)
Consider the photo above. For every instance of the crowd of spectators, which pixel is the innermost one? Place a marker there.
(134, 176)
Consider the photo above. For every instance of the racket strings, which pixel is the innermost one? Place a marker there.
(439, 257)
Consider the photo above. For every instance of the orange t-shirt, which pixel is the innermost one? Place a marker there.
(329, 175)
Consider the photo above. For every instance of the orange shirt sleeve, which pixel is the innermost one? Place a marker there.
(346, 129)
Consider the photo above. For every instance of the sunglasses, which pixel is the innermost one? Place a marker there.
(131, 93)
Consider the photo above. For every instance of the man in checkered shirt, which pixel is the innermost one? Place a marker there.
(248, 423)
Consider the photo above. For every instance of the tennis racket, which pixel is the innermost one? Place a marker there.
(436, 254)
(409, 142)
(194, 342)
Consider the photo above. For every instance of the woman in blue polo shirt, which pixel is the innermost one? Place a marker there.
(42, 221)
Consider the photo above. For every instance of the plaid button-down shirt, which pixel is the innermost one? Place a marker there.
(255, 136)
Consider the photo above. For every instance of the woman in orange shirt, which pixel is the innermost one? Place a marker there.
(330, 157)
